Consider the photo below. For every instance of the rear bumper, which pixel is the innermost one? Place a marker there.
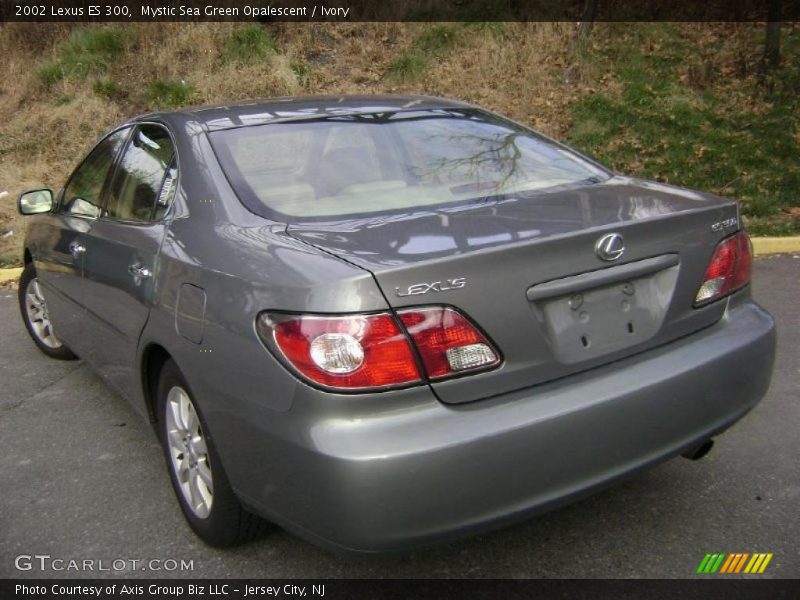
(405, 478)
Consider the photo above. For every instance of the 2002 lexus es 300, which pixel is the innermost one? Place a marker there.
(382, 322)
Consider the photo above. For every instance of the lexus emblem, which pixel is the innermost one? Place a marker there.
(610, 247)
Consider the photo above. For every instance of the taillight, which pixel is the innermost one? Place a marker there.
(728, 271)
(359, 352)
(349, 352)
(447, 342)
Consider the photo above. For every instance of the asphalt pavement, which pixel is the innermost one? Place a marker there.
(82, 478)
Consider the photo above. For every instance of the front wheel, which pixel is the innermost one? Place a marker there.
(204, 493)
(36, 317)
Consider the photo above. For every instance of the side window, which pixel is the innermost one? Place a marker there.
(83, 194)
(143, 182)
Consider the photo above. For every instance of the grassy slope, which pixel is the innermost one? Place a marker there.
(671, 102)
(690, 112)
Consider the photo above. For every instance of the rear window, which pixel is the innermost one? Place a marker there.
(358, 165)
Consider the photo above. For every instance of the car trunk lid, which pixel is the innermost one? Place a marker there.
(528, 271)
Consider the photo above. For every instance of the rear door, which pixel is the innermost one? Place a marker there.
(121, 251)
(61, 239)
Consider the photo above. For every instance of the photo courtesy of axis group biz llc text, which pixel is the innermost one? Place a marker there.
(168, 589)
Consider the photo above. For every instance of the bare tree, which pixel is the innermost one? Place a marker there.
(772, 42)
(587, 22)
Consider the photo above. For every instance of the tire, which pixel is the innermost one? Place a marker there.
(33, 307)
(206, 498)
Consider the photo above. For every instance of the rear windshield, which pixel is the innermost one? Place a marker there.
(358, 165)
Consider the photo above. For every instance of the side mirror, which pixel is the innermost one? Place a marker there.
(35, 202)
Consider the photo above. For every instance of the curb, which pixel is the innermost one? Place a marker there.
(761, 246)
(775, 245)
(7, 275)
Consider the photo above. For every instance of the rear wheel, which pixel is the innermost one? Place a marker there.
(36, 317)
(204, 493)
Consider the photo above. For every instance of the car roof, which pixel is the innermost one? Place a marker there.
(292, 108)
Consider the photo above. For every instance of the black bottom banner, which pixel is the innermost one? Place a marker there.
(236, 589)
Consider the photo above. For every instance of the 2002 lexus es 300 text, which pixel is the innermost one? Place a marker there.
(382, 322)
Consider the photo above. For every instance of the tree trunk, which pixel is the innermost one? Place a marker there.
(588, 17)
(587, 22)
(772, 42)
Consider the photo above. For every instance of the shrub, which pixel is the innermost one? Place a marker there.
(87, 49)
(249, 43)
(107, 88)
(90, 49)
(169, 93)
(408, 66)
(437, 39)
(301, 71)
(50, 74)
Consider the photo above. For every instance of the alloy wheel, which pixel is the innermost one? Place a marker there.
(189, 453)
(36, 309)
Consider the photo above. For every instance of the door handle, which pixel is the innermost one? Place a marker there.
(76, 248)
(140, 271)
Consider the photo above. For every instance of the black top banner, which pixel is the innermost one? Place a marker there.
(383, 10)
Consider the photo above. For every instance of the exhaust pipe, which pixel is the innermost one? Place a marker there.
(700, 451)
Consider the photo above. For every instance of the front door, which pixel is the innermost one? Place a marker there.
(62, 246)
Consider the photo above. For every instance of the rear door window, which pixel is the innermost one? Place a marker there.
(145, 177)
